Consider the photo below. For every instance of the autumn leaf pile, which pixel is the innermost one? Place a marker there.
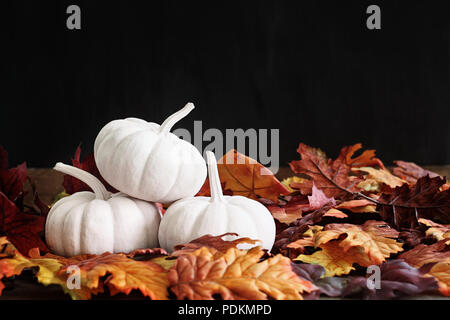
(337, 221)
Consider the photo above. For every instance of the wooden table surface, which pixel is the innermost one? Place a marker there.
(49, 184)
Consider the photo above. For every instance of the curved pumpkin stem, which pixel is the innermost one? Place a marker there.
(213, 174)
(174, 118)
(95, 184)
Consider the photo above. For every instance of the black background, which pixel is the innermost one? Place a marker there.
(310, 68)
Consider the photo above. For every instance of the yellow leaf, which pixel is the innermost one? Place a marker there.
(47, 274)
(335, 259)
(294, 179)
(165, 262)
(376, 177)
(122, 274)
(441, 271)
(374, 237)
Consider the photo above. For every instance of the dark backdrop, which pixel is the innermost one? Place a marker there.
(310, 68)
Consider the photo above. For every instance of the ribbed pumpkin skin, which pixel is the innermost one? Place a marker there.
(135, 158)
(82, 224)
(188, 219)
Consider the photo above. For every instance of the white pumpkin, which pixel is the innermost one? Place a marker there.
(191, 218)
(147, 161)
(96, 222)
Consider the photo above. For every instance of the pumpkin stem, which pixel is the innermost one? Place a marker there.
(95, 184)
(213, 174)
(174, 118)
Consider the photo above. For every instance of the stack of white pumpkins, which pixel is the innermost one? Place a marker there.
(148, 164)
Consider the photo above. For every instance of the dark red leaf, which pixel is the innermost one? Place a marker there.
(12, 180)
(43, 208)
(22, 229)
(297, 229)
(406, 204)
(73, 185)
(323, 171)
(398, 279)
(329, 286)
(411, 172)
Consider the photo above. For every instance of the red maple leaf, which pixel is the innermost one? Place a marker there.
(73, 185)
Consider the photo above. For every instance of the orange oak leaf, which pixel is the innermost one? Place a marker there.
(213, 242)
(335, 260)
(424, 254)
(315, 164)
(122, 275)
(119, 272)
(358, 206)
(365, 159)
(246, 177)
(375, 237)
(236, 275)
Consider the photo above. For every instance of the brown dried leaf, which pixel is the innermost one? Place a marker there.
(406, 204)
(315, 164)
(212, 242)
(411, 172)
